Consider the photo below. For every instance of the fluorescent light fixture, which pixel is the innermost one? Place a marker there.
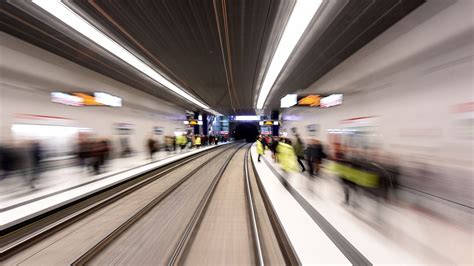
(247, 118)
(300, 17)
(288, 101)
(73, 20)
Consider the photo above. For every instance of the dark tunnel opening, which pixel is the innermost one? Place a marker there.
(247, 131)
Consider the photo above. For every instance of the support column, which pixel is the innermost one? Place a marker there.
(205, 129)
(196, 127)
(275, 128)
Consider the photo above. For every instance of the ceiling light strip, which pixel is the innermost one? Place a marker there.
(73, 20)
(302, 14)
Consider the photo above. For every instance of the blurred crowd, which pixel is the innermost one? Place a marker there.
(27, 160)
(21, 158)
(182, 142)
(358, 171)
(367, 172)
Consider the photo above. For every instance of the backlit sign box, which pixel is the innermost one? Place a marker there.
(331, 100)
(312, 100)
(193, 122)
(246, 118)
(85, 99)
(288, 101)
(309, 100)
(268, 123)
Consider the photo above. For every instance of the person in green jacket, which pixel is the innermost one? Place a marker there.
(260, 147)
(298, 146)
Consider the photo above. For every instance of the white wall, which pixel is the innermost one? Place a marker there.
(411, 79)
(29, 74)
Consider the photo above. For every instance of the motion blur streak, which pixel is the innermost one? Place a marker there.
(301, 16)
(365, 126)
(62, 12)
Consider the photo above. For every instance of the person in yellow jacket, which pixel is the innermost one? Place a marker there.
(286, 156)
(197, 141)
(260, 148)
(181, 141)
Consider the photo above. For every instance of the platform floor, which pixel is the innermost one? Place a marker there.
(386, 233)
(54, 188)
(14, 190)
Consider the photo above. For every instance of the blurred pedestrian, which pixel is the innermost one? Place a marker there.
(6, 160)
(260, 147)
(36, 157)
(22, 162)
(181, 141)
(286, 158)
(151, 146)
(197, 141)
(273, 147)
(263, 141)
(126, 150)
(298, 146)
(100, 154)
(268, 141)
(175, 143)
(314, 155)
(84, 148)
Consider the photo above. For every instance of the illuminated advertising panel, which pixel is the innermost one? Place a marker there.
(85, 99)
(331, 100)
(288, 101)
(246, 118)
(309, 100)
(312, 100)
(268, 123)
(193, 122)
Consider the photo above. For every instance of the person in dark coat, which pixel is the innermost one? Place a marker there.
(314, 154)
(151, 145)
(273, 147)
(36, 157)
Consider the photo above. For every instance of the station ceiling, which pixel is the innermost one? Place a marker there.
(218, 50)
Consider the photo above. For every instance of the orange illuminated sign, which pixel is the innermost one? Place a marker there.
(310, 100)
(87, 100)
(84, 99)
